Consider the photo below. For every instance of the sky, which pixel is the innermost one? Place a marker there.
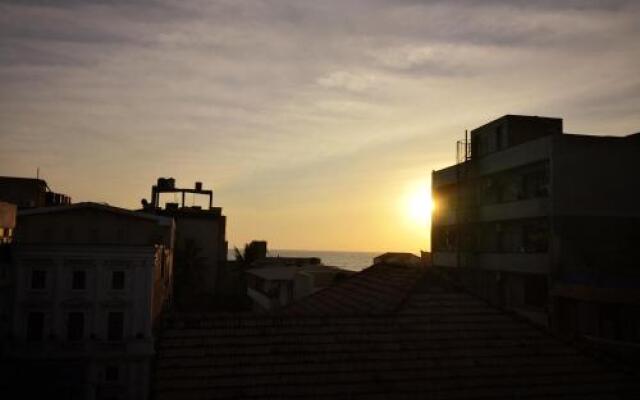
(316, 123)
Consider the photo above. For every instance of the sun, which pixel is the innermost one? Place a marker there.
(419, 206)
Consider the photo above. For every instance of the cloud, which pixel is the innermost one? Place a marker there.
(347, 80)
(294, 100)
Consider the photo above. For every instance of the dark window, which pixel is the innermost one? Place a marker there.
(111, 373)
(535, 184)
(117, 280)
(115, 326)
(75, 326)
(535, 237)
(35, 326)
(38, 279)
(68, 234)
(79, 280)
(47, 235)
(162, 263)
(536, 291)
(121, 235)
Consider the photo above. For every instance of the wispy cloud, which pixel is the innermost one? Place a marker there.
(289, 102)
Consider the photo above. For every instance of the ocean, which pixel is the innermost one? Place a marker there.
(351, 260)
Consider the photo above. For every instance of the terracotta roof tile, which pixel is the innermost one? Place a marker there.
(378, 289)
(432, 342)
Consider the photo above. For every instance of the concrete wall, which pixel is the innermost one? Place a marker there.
(208, 233)
(23, 192)
(595, 176)
(511, 262)
(91, 226)
(511, 130)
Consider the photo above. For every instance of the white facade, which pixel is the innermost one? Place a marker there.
(93, 305)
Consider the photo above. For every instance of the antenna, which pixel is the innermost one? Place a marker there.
(37, 172)
(466, 145)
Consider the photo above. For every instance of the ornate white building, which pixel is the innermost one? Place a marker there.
(91, 282)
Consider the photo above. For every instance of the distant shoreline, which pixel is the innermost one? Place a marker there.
(351, 260)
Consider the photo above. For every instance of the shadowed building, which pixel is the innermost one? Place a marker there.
(30, 193)
(7, 228)
(275, 282)
(201, 246)
(545, 223)
(91, 282)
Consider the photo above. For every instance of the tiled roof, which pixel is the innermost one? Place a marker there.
(378, 289)
(96, 206)
(440, 344)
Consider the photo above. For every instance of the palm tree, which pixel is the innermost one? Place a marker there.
(250, 254)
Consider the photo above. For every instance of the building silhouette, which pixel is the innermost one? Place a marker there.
(8, 213)
(545, 223)
(30, 193)
(201, 245)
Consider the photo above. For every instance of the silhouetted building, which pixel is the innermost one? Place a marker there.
(201, 246)
(7, 228)
(397, 258)
(275, 282)
(91, 282)
(30, 193)
(545, 223)
(274, 286)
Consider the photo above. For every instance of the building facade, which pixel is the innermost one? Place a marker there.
(201, 245)
(30, 193)
(91, 282)
(8, 214)
(545, 223)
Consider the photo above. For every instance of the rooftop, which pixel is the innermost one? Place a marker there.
(96, 206)
(425, 339)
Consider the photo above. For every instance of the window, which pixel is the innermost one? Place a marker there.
(47, 235)
(115, 325)
(536, 291)
(35, 326)
(162, 264)
(111, 373)
(38, 279)
(68, 234)
(75, 326)
(79, 280)
(121, 235)
(535, 237)
(117, 280)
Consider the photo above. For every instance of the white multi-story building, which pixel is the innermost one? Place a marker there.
(91, 281)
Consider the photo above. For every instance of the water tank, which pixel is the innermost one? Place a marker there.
(166, 183)
(198, 186)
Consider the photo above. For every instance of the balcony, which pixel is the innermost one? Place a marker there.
(535, 263)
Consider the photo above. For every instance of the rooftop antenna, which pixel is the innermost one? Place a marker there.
(466, 145)
(37, 172)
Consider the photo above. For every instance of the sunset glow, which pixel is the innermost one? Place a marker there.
(419, 206)
(307, 119)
